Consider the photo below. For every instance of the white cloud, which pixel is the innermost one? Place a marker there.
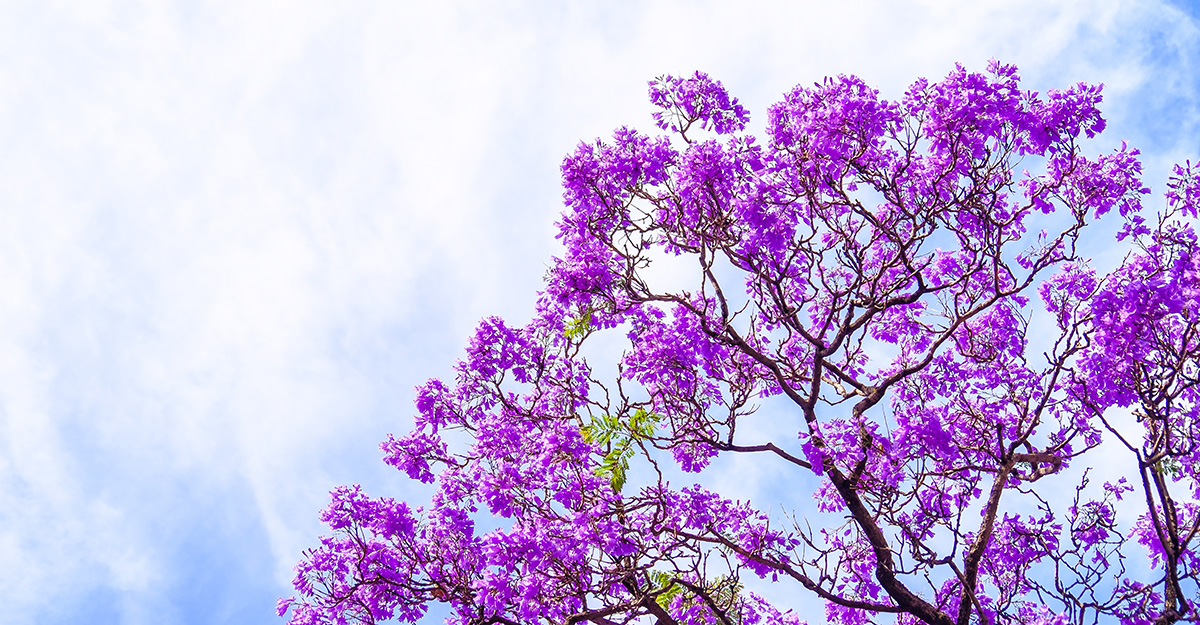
(234, 235)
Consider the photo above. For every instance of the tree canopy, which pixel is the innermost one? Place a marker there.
(901, 287)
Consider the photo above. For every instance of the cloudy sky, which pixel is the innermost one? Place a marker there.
(234, 235)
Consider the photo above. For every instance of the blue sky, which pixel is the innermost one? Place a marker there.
(235, 235)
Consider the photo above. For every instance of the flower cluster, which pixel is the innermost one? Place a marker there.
(865, 273)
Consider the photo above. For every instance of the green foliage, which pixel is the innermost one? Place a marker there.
(619, 438)
(724, 592)
(664, 581)
(1170, 466)
(578, 327)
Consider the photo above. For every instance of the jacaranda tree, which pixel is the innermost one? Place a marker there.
(898, 285)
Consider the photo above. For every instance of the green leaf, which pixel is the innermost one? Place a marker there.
(1170, 466)
(576, 328)
(619, 438)
(724, 591)
(662, 581)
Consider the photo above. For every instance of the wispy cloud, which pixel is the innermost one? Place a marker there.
(234, 235)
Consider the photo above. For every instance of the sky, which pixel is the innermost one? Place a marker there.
(235, 235)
